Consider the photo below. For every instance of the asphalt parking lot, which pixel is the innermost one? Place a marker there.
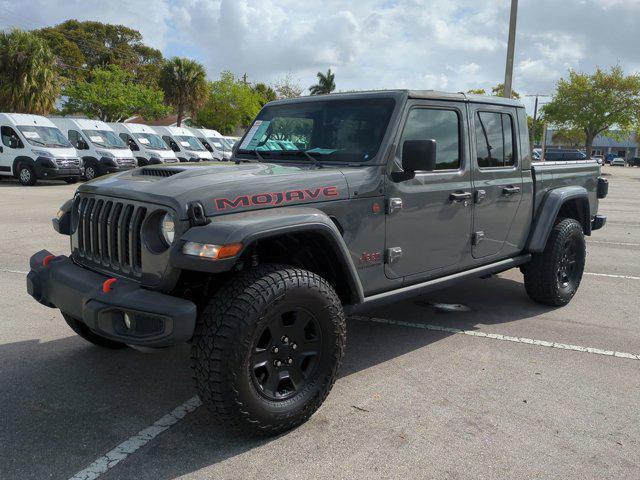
(426, 390)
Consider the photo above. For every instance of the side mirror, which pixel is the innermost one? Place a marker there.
(175, 147)
(14, 142)
(132, 145)
(418, 156)
(81, 145)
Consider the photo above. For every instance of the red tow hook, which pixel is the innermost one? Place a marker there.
(106, 285)
(46, 260)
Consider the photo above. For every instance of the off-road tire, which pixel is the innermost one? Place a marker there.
(27, 175)
(228, 329)
(83, 331)
(542, 274)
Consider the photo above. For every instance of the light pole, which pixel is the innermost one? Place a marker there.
(511, 46)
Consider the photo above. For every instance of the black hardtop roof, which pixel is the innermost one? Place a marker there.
(399, 94)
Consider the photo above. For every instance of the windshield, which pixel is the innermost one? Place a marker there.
(228, 143)
(151, 140)
(44, 136)
(188, 142)
(105, 139)
(217, 143)
(336, 130)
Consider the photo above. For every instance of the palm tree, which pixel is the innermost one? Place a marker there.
(184, 83)
(326, 83)
(29, 82)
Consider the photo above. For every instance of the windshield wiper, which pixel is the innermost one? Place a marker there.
(305, 153)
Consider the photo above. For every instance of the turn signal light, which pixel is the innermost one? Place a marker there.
(213, 252)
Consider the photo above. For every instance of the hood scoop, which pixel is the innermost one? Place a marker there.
(158, 172)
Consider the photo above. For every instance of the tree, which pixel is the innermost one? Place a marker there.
(497, 91)
(184, 83)
(595, 103)
(287, 87)
(112, 94)
(326, 83)
(83, 46)
(265, 92)
(535, 130)
(231, 103)
(568, 137)
(28, 79)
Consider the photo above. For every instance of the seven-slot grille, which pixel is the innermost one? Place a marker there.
(108, 234)
(67, 162)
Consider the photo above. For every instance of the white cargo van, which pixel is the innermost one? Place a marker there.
(214, 142)
(182, 141)
(102, 151)
(147, 146)
(33, 148)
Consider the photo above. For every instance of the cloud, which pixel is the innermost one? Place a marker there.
(446, 44)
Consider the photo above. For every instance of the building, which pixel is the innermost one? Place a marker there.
(603, 145)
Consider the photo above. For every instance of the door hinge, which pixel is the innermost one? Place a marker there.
(477, 238)
(480, 195)
(393, 254)
(393, 205)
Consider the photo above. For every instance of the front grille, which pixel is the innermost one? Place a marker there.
(127, 162)
(158, 172)
(108, 234)
(67, 162)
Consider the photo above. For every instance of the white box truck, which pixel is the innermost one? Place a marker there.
(147, 146)
(33, 148)
(102, 151)
(182, 141)
(214, 142)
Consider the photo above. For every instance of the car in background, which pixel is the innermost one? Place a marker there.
(634, 162)
(184, 143)
(598, 158)
(147, 146)
(618, 162)
(102, 151)
(32, 148)
(212, 141)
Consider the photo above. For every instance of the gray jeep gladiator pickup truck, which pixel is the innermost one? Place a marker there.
(335, 204)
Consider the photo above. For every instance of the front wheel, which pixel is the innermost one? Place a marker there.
(90, 172)
(27, 175)
(267, 348)
(553, 276)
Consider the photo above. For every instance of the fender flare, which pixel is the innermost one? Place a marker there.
(21, 159)
(249, 227)
(548, 212)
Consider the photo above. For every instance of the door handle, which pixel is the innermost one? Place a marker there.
(459, 197)
(510, 190)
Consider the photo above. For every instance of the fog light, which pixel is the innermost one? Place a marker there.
(127, 321)
(213, 252)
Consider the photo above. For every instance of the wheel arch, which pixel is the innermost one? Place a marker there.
(563, 202)
(19, 160)
(297, 236)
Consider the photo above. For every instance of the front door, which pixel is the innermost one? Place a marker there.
(497, 177)
(10, 147)
(428, 222)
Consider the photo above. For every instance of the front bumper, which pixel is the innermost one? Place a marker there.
(157, 319)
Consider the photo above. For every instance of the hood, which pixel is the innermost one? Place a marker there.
(225, 188)
(163, 153)
(56, 152)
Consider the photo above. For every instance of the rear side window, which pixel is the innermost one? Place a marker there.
(494, 140)
(443, 126)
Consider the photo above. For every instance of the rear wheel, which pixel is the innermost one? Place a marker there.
(27, 175)
(82, 330)
(267, 348)
(553, 276)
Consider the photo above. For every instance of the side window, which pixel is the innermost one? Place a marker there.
(494, 140)
(443, 126)
(169, 141)
(130, 142)
(73, 138)
(10, 138)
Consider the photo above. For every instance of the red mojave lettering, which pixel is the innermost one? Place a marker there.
(275, 198)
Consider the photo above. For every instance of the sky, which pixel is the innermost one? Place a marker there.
(450, 45)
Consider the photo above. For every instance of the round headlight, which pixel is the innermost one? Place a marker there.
(168, 228)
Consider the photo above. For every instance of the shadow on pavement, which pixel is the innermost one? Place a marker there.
(66, 402)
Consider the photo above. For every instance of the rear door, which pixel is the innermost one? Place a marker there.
(428, 222)
(497, 177)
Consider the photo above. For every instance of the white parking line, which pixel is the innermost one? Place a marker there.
(626, 277)
(506, 338)
(615, 243)
(140, 439)
(8, 270)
